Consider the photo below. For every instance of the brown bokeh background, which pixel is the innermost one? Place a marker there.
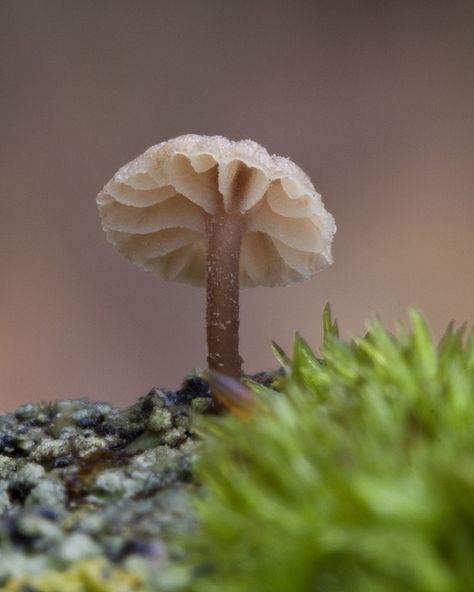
(373, 99)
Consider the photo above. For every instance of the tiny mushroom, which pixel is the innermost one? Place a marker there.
(209, 211)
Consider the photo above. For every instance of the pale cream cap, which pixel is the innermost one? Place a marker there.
(154, 211)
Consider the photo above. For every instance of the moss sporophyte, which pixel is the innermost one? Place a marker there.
(209, 211)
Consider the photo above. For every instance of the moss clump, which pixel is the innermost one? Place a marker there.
(358, 477)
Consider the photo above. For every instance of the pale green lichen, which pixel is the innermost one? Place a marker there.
(160, 420)
(85, 576)
(80, 479)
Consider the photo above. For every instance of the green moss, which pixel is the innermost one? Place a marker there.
(358, 476)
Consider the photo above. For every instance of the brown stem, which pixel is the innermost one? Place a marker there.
(224, 235)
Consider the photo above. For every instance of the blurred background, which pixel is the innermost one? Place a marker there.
(374, 100)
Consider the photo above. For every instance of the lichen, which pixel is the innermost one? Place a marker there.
(81, 479)
(85, 576)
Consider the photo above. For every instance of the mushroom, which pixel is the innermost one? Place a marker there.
(209, 211)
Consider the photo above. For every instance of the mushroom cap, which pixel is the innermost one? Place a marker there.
(155, 208)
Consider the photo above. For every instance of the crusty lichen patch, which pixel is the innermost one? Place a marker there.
(87, 576)
(81, 480)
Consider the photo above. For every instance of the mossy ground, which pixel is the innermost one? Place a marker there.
(349, 473)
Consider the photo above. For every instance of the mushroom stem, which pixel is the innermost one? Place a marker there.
(224, 238)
